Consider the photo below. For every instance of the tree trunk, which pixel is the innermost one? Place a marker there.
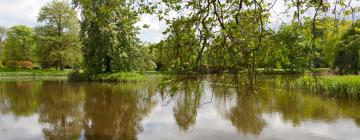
(107, 64)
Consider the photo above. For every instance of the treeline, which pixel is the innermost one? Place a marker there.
(208, 36)
(284, 48)
(53, 43)
(216, 36)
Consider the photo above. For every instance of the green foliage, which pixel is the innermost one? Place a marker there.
(212, 35)
(58, 42)
(332, 32)
(109, 36)
(19, 44)
(341, 86)
(179, 51)
(293, 38)
(290, 46)
(348, 52)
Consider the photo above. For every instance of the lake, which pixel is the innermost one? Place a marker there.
(176, 108)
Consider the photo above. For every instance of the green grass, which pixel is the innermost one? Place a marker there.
(8, 72)
(278, 71)
(289, 71)
(110, 77)
(341, 86)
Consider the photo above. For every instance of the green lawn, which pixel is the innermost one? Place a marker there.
(8, 72)
(110, 77)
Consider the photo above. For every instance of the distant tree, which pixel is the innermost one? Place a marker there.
(58, 36)
(2, 35)
(19, 44)
(2, 39)
(347, 57)
(292, 36)
(178, 52)
(332, 33)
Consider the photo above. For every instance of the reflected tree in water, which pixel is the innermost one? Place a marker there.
(186, 92)
(115, 111)
(60, 105)
(239, 105)
(246, 115)
(19, 97)
(187, 102)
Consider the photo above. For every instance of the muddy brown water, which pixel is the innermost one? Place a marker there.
(208, 108)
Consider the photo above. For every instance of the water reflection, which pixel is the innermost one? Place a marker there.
(199, 108)
(60, 105)
(187, 102)
(115, 112)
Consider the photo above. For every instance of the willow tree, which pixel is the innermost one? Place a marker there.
(58, 41)
(108, 33)
(178, 52)
(229, 32)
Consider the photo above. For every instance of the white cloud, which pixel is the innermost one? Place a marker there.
(154, 32)
(25, 12)
(15, 12)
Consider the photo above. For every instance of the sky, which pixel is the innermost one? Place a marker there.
(24, 12)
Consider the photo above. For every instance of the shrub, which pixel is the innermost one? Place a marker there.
(19, 64)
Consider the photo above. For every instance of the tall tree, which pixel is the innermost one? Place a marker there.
(19, 44)
(347, 57)
(58, 35)
(293, 38)
(108, 33)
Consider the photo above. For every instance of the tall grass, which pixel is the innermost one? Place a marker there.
(341, 86)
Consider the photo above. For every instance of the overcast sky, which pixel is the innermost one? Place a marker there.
(24, 12)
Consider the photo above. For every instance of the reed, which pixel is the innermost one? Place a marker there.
(334, 85)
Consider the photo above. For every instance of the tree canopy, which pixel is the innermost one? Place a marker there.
(109, 36)
(58, 42)
(19, 44)
(202, 36)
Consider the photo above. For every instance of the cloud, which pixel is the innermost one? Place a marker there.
(22, 12)
(25, 12)
(152, 34)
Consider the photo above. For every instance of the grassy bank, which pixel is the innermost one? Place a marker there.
(291, 71)
(7, 72)
(278, 71)
(109, 77)
(340, 86)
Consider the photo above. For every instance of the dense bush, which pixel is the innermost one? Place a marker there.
(348, 52)
(19, 44)
(18, 64)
